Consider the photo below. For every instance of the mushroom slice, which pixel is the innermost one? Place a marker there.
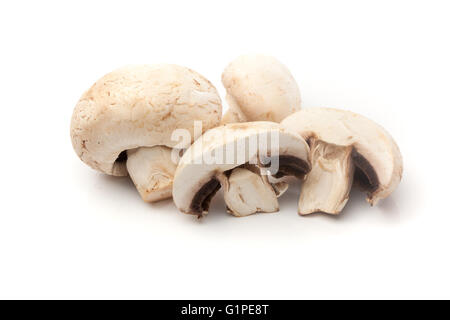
(124, 123)
(246, 191)
(152, 170)
(327, 185)
(229, 156)
(374, 154)
(259, 88)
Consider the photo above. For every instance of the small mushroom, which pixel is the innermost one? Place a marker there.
(344, 147)
(123, 124)
(259, 88)
(238, 156)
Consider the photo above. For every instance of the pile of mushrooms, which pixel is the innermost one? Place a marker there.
(246, 189)
(125, 123)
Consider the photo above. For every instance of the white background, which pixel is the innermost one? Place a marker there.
(67, 231)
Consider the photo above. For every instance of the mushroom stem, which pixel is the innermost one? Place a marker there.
(246, 191)
(152, 171)
(326, 187)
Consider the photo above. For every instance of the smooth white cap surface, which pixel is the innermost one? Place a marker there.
(140, 106)
(259, 88)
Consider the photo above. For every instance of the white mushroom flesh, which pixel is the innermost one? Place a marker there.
(327, 186)
(247, 192)
(152, 171)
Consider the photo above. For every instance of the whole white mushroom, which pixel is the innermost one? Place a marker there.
(259, 88)
(123, 124)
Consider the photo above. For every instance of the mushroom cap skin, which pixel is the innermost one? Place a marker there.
(377, 158)
(139, 106)
(259, 88)
(196, 180)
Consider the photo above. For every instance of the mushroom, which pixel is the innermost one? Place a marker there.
(259, 88)
(124, 122)
(208, 164)
(344, 147)
(247, 191)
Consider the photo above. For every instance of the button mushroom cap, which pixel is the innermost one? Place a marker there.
(139, 106)
(374, 153)
(259, 88)
(198, 178)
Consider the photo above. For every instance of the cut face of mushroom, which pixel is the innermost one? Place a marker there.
(124, 122)
(246, 191)
(328, 184)
(259, 88)
(345, 146)
(152, 171)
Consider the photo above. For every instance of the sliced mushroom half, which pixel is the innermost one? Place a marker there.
(232, 156)
(344, 147)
